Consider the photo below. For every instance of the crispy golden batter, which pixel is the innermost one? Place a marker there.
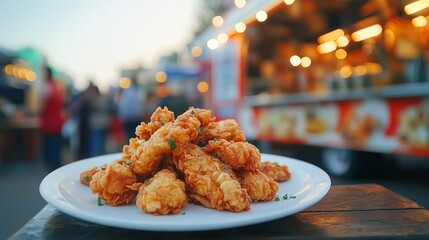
(162, 194)
(274, 170)
(169, 139)
(114, 184)
(259, 186)
(159, 118)
(239, 155)
(86, 176)
(210, 182)
(225, 129)
(203, 115)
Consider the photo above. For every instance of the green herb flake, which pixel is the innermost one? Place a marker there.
(162, 123)
(127, 163)
(215, 155)
(100, 202)
(192, 112)
(277, 199)
(292, 197)
(86, 178)
(200, 129)
(200, 144)
(183, 213)
(103, 168)
(147, 182)
(285, 197)
(172, 143)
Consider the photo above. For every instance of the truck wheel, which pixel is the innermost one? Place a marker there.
(342, 162)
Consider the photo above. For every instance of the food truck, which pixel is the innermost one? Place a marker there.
(348, 77)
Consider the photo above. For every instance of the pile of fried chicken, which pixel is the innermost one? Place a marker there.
(191, 158)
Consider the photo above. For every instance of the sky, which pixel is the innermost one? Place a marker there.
(94, 39)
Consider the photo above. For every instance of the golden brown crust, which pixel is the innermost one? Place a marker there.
(86, 176)
(239, 155)
(226, 129)
(259, 186)
(211, 184)
(113, 184)
(279, 173)
(159, 118)
(162, 194)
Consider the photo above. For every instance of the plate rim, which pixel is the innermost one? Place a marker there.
(46, 189)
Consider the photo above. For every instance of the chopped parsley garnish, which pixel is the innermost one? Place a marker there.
(285, 197)
(86, 178)
(215, 155)
(162, 123)
(172, 143)
(183, 213)
(200, 129)
(192, 112)
(147, 182)
(99, 202)
(200, 144)
(103, 168)
(127, 163)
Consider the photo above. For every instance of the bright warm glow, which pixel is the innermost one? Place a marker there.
(196, 51)
(261, 16)
(327, 47)
(342, 41)
(346, 71)
(419, 21)
(240, 27)
(416, 6)
(8, 69)
(203, 87)
(240, 3)
(305, 62)
(222, 38)
(360, 70)
(373, 68)
(124, 83)
(367, 32)
(341, 54)
(289, 2)
(330, 36)
(212, 44)
(295, 60)
(15, 70)
(161, 76)
(217, 21)
(22, 72)
(30, 76)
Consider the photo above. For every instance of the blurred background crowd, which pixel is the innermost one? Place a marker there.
(345, 82)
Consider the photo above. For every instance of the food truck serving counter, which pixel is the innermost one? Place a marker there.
(349, 77)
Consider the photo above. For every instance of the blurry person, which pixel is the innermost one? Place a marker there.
(99, 121)
(131, 108)
(175, 101)
(51, 121)
(80, 109)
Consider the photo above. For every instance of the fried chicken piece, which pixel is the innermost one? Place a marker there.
(239, 155)
(114, 184)
(159, 118)
(210, 181)
(277, 172)
(259, 186)
(162, 194)
(169, 139)
(226, 129)
(86, 176)
(129, 150)
(203, 115)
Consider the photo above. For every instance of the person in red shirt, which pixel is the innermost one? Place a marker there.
(51, 121)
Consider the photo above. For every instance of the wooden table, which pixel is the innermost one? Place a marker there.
(348, 211)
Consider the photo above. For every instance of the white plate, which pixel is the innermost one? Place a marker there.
(62, 189)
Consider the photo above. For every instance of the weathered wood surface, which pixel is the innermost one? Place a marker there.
(349, 211)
